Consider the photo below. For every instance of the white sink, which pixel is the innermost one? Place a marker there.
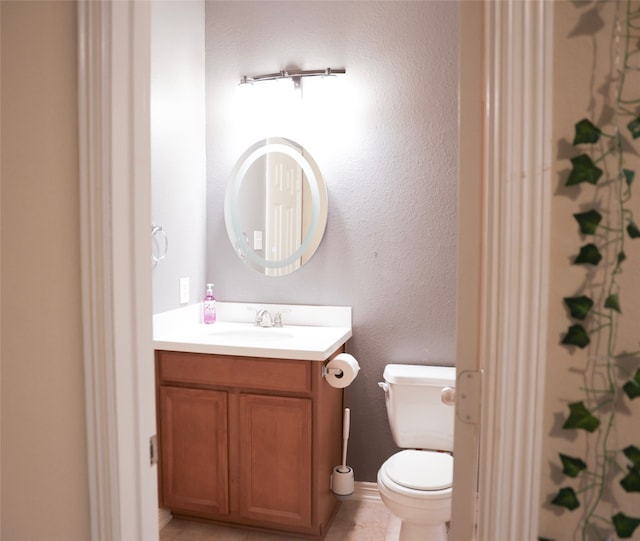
(309, 332)
(244, 332)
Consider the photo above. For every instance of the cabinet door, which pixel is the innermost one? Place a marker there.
(275, 459)
(194, 457)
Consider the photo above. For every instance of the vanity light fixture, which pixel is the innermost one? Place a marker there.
(295, 75)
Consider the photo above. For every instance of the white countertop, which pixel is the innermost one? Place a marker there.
(308, 333)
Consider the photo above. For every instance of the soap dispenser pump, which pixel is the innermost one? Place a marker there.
(209, 306)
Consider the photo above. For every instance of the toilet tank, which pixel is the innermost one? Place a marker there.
(418, 417)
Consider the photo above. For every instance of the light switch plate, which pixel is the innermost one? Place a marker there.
(184, 290)
(257, 240)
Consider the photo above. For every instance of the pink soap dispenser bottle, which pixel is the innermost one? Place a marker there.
(209, 306)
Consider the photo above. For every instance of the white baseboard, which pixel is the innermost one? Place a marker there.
(365, 490)
(164, 517)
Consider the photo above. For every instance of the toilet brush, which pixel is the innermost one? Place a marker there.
(342, 484)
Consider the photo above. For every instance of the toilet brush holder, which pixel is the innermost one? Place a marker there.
(342, 483)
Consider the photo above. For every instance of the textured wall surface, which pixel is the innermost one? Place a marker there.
(385, 139)
(178, 148)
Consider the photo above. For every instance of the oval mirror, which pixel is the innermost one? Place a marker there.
(276, 206)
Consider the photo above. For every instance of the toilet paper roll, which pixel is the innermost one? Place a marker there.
(341, 370)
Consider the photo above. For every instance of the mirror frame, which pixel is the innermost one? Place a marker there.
(319, 204)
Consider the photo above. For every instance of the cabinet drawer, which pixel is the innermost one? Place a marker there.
(221, 370)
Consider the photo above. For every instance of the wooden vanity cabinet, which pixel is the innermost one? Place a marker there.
(194, 445)
(248, 441)
(274, 457)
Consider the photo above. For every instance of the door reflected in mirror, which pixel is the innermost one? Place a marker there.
(276, 206)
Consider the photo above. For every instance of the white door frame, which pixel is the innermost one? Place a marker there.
(518, 187)
(115, 200)
(505, 193)
(509, 261)
(469, 278)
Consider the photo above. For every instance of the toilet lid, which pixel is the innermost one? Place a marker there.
(421, 470)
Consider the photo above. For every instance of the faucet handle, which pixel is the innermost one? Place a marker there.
(263, 318)
(277, 320)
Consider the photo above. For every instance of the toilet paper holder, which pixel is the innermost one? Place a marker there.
(337, 372)
(341, 370)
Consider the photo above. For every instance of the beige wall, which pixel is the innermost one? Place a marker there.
(44, 470)
(583, 61)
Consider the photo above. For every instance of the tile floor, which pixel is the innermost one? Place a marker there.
(357, 520)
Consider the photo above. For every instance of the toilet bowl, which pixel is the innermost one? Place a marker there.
(416, 486)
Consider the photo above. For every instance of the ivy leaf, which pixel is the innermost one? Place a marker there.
(628, 176)
(586, 132)
(566, 497)
(633, 230)
(584, 170)
(588, 221)
(632, 387)
(624, 525)
(634, 127)
(581, 417)
(572, 466)
(576, 336)
(631, 481)
(578, 306)
(589, 254)
(632, 452)
(613, 302)
(621, 257)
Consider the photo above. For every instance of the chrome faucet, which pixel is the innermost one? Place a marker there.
(265, 319)
(277, 320)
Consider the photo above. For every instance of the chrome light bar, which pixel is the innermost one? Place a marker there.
(294, 75)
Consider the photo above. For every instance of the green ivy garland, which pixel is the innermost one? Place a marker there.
(608, 227)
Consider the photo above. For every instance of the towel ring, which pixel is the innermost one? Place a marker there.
(161, 246)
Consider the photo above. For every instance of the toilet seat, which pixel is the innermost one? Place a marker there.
(420, 470)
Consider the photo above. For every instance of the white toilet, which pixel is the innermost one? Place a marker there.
(415, 484)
